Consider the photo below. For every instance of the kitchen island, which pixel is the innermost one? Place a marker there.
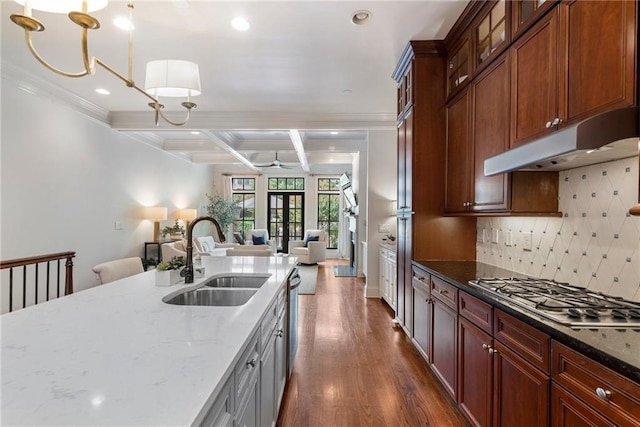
(117, 355)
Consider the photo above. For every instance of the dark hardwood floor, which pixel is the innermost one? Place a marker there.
(355, 368)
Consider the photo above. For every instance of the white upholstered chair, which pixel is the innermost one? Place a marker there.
(310, 251)
(118, 269)
(173, 249)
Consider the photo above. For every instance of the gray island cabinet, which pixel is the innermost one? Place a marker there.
(117, 355)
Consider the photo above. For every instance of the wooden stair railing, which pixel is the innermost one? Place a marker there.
(35, 261)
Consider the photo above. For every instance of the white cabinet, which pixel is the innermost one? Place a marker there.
(248, 385)
(222, 410)
(388, 275)
(281, 359)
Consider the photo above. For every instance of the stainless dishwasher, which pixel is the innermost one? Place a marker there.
(293, 282)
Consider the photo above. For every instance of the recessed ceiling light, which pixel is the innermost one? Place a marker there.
(102, 91)
(334, 133)
(240, 24)
(123, 23)
(195, 132)
(361, 17)
(347, 92)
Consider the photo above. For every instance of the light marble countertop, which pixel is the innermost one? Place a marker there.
(117, 355)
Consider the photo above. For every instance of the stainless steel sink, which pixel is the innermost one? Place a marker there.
(211, 297)
(252, 281)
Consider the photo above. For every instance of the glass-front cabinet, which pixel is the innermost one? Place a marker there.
(491, 31)
(526, 12)
(458, 70)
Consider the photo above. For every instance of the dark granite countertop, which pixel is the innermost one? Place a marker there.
(617, 349)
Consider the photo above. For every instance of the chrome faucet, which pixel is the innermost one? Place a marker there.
(188, 270)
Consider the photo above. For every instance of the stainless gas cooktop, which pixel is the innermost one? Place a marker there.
(569, 305)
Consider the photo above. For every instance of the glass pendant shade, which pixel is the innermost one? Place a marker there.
(172, 78)
(63, 6)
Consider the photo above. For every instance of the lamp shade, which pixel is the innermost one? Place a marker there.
(64, 6)
(172, 78)
(187, 214)
(155, 213)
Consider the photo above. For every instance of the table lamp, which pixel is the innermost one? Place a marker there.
(187, 215)
(156, 214)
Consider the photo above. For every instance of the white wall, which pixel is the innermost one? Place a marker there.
(382, 191)
(66, 179)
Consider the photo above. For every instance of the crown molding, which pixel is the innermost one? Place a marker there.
(35, 85)
(258, 120)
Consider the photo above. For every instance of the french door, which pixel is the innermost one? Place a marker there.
(286, 218)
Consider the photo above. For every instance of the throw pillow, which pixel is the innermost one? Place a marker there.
(238, 238)
(310, 238)
(259, 240)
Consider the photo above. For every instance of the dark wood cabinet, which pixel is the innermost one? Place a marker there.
(444, 332)
(564, 72)
(598, 71)
(478, 128)
(421, 312)
(459, 65)
(521, 392)
(475, 366)
(534, 81)
(491, 31)
(525, 12)
(423, 232)
(490, 135)
(459, 154)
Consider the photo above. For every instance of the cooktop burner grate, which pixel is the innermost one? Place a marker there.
(570, 305)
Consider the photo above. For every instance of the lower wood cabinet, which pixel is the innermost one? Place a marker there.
(569, 411)
(421, 312)
(444, 323)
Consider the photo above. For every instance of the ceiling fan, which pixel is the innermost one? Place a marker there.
(275, 164)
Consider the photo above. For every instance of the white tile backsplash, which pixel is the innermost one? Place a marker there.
(596, 243)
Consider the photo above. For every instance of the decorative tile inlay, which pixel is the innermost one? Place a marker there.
(596, 243)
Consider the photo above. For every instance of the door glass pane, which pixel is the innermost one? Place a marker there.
(497, 36)
(497, 13)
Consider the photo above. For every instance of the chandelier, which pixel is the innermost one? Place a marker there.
(164, 78)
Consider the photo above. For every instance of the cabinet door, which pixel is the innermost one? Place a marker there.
(491, 35)
(598, 74)
(443, 345)
(529, 407)
(525, 13)
(421, 313)
(248, 410)
(459, 151)
(392, 281)
(491, 134)
(281, 360)
(534, 80)
(474, 373)
(401, 222)
(268, 382)
(569, 411)
(458, 66)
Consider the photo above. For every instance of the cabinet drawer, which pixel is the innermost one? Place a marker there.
(247, 368)
(528, 342)
(478, 312)
(445, 292)
(420, 279)
(587, 380)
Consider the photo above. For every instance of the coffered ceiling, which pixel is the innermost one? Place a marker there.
(303, 65)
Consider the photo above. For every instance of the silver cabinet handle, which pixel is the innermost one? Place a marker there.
(557, 121)
(280, 333)
(485, 347)
(603, 394)
(549, 124)
(251, 363)
(443, 291)
(492, 351)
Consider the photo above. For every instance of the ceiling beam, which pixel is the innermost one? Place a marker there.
(296, 140)
(229, 149)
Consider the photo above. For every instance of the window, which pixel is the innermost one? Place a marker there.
(329, 209)
(244, 197)
(286, 183)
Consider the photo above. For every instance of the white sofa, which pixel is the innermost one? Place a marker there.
(260, 232)
(310, 252)
(206, 245)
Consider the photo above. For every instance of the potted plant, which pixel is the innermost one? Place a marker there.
(175, 231)
(168, 272)
(221, 210)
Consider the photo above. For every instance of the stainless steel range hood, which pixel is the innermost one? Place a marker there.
(609, 136)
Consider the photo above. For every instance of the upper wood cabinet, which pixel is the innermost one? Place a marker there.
(458, 65)
(526, 12)
(563, 71)
(405, 92)
(534, 81)
(459, 168)
(490, 31)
